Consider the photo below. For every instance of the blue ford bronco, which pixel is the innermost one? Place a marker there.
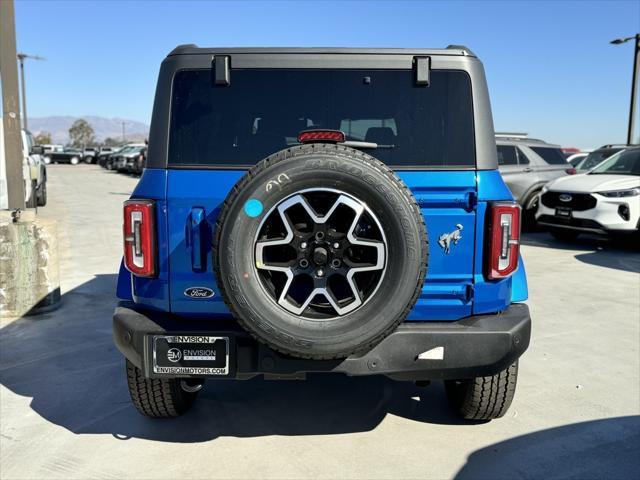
(322, 210)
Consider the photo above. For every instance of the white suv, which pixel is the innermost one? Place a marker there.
(604, 200)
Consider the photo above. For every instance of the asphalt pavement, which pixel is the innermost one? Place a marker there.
(65, 410)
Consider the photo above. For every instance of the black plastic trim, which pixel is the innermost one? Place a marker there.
(475, 346)
(222, 69)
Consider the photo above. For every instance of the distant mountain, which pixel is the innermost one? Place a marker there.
(103, 127)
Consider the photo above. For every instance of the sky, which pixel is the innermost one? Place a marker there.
(550, 67)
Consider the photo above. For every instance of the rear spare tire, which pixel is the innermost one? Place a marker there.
(321, 251)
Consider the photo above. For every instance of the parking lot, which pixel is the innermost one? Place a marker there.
(66, 413)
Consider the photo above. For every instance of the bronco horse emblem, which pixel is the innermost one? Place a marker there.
(446, 238)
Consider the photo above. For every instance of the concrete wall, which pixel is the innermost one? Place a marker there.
(29, 277)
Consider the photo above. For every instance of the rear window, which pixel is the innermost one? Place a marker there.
(553, 156)
(507, 155)
(262, 111)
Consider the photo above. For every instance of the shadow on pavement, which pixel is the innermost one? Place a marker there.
(67, 363)
(617, 253)
(607, 448)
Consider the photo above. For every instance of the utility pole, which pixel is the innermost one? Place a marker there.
(10, 106)
(634, 83)
(123, 137)
(634, 91)
(21, 58)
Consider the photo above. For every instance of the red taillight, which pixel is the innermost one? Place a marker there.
(571, 171)
(328, 136)
(140, 237)
(504, 240)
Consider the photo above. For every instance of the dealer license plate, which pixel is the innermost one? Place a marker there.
(190, 355)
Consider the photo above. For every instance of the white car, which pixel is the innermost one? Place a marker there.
(33, 172)
(603, 200)
(32, 153)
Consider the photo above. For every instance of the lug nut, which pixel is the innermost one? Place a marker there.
(319, 235)
(335, 263)
(336, 245)
(304, 263)
(303, 245)
(320, 272)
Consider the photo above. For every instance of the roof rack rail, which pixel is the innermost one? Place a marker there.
(464, 49)
(512, 135)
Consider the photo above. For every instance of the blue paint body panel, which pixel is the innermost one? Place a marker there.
(153, 293)
(519, 286)
(123, 289)
(189, 201)
(445, 199)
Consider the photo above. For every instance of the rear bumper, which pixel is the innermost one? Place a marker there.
(475, 346)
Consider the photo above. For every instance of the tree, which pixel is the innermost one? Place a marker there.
(43, 138)
(81, 133)
(111, 142)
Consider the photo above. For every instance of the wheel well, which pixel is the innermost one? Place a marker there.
(531, 194)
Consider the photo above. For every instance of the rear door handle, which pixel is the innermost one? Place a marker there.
(528, 169)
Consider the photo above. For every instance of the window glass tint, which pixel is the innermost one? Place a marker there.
(357, 129)
(553, 156)
(623, 163)
(594, 158)
(522, 158)
(507, 155)
(262, 111)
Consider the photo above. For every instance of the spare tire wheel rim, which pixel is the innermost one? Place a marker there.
(320, 263)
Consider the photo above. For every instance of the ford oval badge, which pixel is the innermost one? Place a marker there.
(565, 197)
(199, 292)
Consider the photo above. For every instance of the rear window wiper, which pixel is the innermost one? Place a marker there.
(372, 145)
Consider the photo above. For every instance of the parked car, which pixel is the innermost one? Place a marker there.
(49, 148)
(527, 164)
(124, 160)
(137, 164)
(104, 154)
(33, 172)
(576, 158)
(569, 151)
(597, 156)
(65, 155)
(606, 200)
(281, 234)
(90, 154)
(33, 154)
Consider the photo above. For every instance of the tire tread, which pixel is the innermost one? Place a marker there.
(157, 397)
(484, 398)
(341, 151)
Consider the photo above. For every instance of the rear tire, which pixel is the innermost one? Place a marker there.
(161, 397)
(483, 398)
(564, 235)
(42, 194)
(74, 161)
(32, 201)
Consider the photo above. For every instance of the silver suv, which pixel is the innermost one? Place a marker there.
(527, 164)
